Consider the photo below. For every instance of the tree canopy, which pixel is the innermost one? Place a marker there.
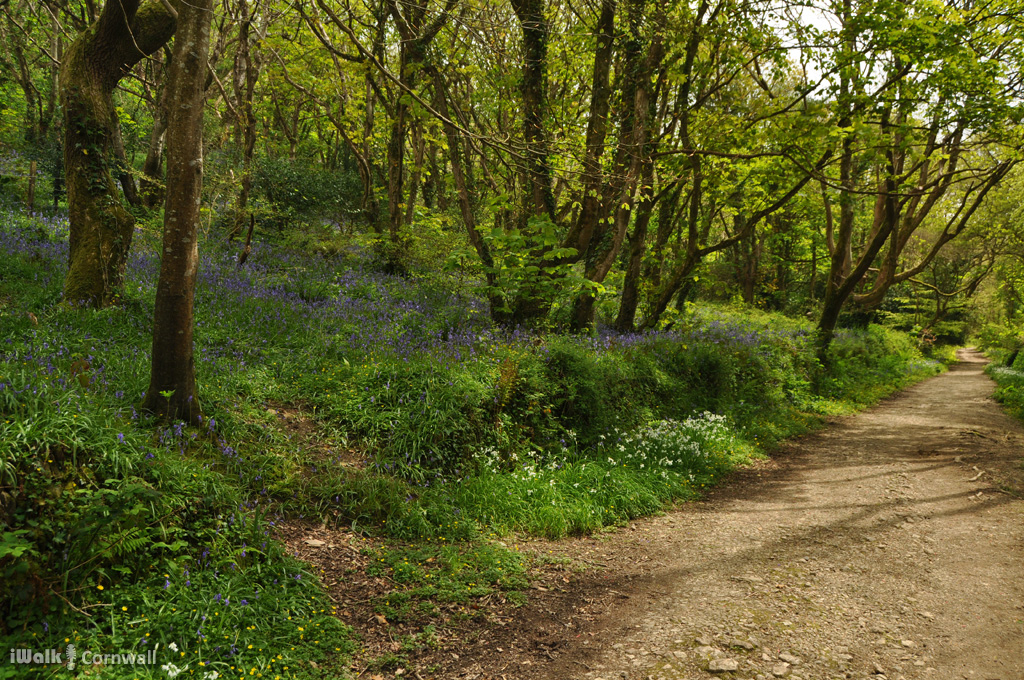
(604, 162)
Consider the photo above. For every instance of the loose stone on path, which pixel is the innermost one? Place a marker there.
(723, 665)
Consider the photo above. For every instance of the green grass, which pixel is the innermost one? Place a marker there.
(430, 574)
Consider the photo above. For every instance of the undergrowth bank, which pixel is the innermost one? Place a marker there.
(420, 421)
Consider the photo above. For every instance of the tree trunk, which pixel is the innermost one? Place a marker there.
(750, 248)
(396, 172)
(416, 39)
(172, 385)
(124, 174)
(536, 176)
(417, 171)
(101, 229)
(593, 219)
(246, 83)
(151, 184)
(813, 281)
(31, 200)
(369, 205)
(433, 174)
(839, 289)
(28, 88)
(668, 211)
(592, 209)
(626, 319)
(839, 272)
(58, 177)
(641, 58)
(49, 120)
(462, 176)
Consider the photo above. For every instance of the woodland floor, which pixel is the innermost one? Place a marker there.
(890, 544)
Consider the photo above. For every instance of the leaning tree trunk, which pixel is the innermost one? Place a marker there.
(172, 383)
(462, 177)
(641, 57)
(101, 228)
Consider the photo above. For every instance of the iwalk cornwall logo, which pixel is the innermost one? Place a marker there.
(69, 658)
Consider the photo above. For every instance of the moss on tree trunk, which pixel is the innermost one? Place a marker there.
(101, 227)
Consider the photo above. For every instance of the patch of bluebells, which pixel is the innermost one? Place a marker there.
(41, 238)
(725, 333)
(356, 310)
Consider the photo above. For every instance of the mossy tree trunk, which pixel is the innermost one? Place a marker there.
(101, 228)
(172, 384)
(538, 196)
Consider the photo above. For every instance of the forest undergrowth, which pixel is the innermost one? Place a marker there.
(1006, 368)
(333, 392)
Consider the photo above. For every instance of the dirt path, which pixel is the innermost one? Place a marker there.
(870, 549)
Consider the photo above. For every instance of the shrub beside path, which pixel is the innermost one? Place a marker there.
(888, 545)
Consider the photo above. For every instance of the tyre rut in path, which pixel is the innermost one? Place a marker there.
(876, 551)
